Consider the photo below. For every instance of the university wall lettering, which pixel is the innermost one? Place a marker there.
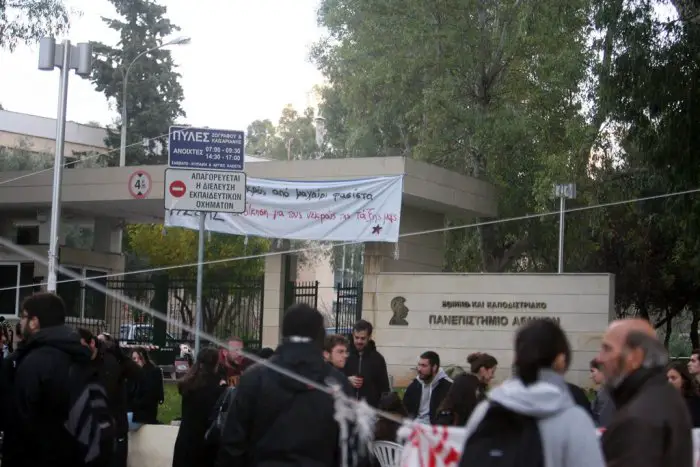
(513, 305)
(482, 320)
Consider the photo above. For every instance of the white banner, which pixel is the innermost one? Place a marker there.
(364, 210)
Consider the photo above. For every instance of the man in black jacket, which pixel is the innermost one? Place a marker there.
(275, 420)
(39, 390)
(366, 367)
(425, 393)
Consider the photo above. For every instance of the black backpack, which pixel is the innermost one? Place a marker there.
(89, 420)
(504, 439)
(217, 420)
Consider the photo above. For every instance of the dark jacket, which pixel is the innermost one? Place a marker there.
(146, 394)
(10, 444)
(580, 397)
(651, 427)
(693, 403)
(275, 421)
(603, 407)
(471, 392)
(197, 408)
(114, 371)
(438, 388)
(40, 397)
(371, 366)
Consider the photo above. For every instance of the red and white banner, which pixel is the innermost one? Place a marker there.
(441, 446)
(360, 210)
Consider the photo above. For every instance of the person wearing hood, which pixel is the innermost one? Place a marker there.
(277, 421)
(365, 367)
(425, 394)
(535, 405)
(40, 389)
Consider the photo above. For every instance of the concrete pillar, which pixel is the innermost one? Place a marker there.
(107, 236)
(279, 269)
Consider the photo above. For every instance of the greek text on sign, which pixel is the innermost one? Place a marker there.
(361, 210)
(205, 148)
(205, 191)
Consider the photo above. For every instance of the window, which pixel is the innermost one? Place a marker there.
(81, 300)
(9, 298)
(15, 284)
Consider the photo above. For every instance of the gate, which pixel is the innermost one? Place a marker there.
(348, 306)
(301, 292)
(228, 309)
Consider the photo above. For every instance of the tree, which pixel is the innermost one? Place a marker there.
(154, 93)
(225, 294)
(489, 90)
(293, 137)
(27, 21)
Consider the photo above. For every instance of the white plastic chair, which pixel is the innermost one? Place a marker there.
(387, 453)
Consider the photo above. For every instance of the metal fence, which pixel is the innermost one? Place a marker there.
(348, 306)
(301, 292)
(229, 309)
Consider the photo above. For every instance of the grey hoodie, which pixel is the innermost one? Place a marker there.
(423, 414)
(568, 435)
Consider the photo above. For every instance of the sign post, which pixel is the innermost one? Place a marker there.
(204, 175)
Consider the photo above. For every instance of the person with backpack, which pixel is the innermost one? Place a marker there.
(275, 420)
(531, 420)
(60, 409)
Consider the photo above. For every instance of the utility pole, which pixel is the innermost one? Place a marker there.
(66, 57)
(563, 192)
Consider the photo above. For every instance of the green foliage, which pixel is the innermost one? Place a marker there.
(294, 137)
(153, 91)
(488, 91)
(27, 21)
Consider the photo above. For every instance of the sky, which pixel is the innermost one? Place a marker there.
(246, 61)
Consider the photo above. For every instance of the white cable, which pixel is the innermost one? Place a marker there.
(122, 298)
(411, 234)
(36, 172)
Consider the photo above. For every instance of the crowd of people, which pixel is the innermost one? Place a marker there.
(70, 398)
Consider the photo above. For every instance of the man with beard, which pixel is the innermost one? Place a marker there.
(425, 394)
(651, 427)
(366, 367)
(40, 388)
(232, 363)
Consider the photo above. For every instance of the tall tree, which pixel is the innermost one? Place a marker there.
(294, 136)
(486, 89)
(153, 91)
(27, 21)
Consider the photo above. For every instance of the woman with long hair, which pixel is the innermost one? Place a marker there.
(467, 390)
(534, 409)
(679, 376)
(145, 393)
(200, 390)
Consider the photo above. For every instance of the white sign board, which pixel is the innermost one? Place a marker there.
(205, 191)
(361, 210)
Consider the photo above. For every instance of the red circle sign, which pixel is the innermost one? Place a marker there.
(140, 184)
(178, 189)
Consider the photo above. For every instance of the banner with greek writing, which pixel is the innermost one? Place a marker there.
(364, 210)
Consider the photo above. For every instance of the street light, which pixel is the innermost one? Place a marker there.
(66, 57)
(563, 192)
(122, 147)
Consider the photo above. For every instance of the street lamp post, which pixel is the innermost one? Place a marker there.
(563, 192)
(122, 146)
(66, 57)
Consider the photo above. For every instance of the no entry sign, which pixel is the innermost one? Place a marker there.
(178, 189)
